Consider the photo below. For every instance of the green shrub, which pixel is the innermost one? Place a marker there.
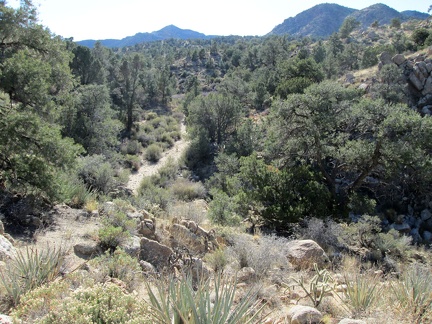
(217, 260)
(97, 173)
(222, 209)
(153, 153)
(166, 138)
(133, 162)
(186, 190)
(31, 269)
(100, 303)
(119, 265)
(146, 139)
(133, 147)
(110, 237)
(150, 115)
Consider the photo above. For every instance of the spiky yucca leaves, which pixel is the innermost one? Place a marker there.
(31, 269)
(181, 302)
(413, 293)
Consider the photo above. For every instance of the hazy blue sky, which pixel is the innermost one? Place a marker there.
(102, 19)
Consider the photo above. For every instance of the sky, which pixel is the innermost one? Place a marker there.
(104, 19)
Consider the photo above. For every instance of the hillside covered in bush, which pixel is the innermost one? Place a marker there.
(290, 139)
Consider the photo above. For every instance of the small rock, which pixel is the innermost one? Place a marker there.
(351, 321)
(403, 228)
(427, 236)
(304, 315)
(4, 319)
(341, 288)
(246, 274)
(425, 214)
(7, 250)
(147, 267)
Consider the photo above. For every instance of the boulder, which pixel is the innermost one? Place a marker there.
(304, 315)
(7, 250)
(398, 59)
(385, 58)
(427, 89)
(427, 236)
(132, 246)
(155, 252)
(87, 250)
(185, 237)
(304, 253)
(1, 228)
(147, 228)
(417, 78)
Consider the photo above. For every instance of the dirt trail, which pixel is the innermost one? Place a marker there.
(148, 169)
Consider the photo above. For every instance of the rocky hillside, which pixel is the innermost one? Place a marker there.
(324, 19)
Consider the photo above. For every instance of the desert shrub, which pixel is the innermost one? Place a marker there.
(217, 260)
(412, 294)
(153, 153)
(31, 269)
(180, 301)
(175, 135)
(110, 237)
(188, 210)
(100, 303)
(151, 196)
(157, 122)
(222, 209)
(133, 162)
(118, 218)
(167, 139)
(262, 254)
(367, 233)
(186, 190)
(119, 265)
(133, 147)
(146, 139)
(150, 115)
(167, 173)
(325, 232)
(97, 173)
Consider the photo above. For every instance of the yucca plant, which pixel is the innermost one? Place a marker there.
(30, 269)
(181, 302)
(413, 293)
(361, 292)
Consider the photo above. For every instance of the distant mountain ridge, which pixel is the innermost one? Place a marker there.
(321, 20)
(167, 32)
(325, 19)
